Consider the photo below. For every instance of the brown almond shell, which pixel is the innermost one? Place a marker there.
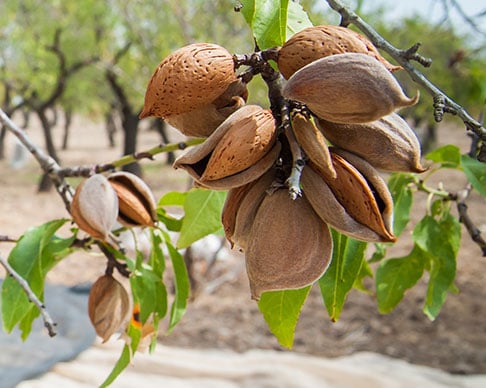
(317, 42)
(289, 246)
(347, 88)
(239, 165)
(189, 78)
(136, 201)
(388, 143)
(330, 210)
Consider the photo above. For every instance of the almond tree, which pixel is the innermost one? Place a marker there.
(294, 184)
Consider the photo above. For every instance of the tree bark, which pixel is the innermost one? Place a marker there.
(161, 127)
(68, 118)
(130, 129)
(110, 126)
(45, 183)
(130, 121)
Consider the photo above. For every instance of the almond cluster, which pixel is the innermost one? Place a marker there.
(343, 100)
(99, 203)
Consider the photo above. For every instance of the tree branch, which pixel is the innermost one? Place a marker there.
(87, 171)
(46, 162)
(48, 322)
(465, 219)
(442, 103)
(64, 71)
(5, 238)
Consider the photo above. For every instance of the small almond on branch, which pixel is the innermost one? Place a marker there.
(94, 207)
(108, 306)
(136, 202)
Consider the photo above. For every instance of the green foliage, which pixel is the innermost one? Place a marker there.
(202, 214)
(475, 172)
(448, 156)
(345, 267)
(395, 276)
(281, 310)
(439, 237)
(274, 21)
(35, 254)
(125, 357)
(182, 285)
(202, 210)
(400, 186)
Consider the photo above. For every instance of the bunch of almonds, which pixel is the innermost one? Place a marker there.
(347, 130)
(100, 201)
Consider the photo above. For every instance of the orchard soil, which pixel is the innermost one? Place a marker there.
(221, 313)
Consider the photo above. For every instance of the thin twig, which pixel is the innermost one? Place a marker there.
(4, 238)
(48, 321)
(298, 163)
(465, 219)
(46, 162)
(460, 198)
(87, 171)
(442, 102)
(113, 262)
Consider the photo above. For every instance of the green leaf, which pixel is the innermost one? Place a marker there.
(157, 257)
(476, 173)
(448, 156)
(173, 224)
(337, 281)
(149, 290)
(281, 310)
(379, 253)
(173, 198)
(399, 185)
(440, 239)
(202, 215)
(119, 367)
(37, 251)
(126, 356)
(364, 272)
(395, 276)
(182, 285)
(267, 20)
(297, 19)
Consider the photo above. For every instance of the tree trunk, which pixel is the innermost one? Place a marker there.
(110, 126)
(161, 127)
(130, 129)
(68, 118)
(45, 183)
(3, 132)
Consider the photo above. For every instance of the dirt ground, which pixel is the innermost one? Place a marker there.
(221, 314)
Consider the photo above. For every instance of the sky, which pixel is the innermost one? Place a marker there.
(434, 11)
(434, 8)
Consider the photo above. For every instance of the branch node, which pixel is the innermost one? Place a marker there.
(439, 107)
